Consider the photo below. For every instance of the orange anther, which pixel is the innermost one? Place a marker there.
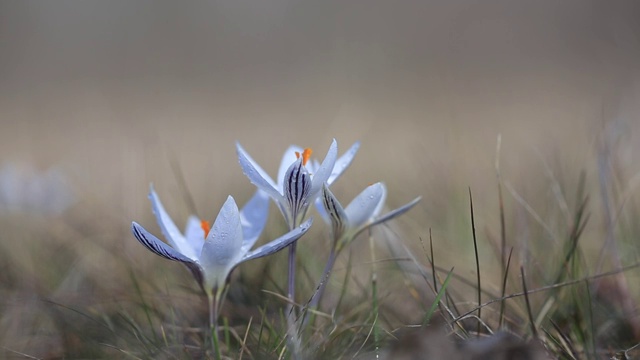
(306, 154)
(206, 227)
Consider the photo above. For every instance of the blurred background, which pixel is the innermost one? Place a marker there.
(107, 90)
(98, 99)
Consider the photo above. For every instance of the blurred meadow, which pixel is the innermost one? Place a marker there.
(100, 99)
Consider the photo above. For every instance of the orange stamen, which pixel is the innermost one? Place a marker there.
(306, 154)
(206, 227)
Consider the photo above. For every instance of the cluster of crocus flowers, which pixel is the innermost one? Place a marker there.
(212, 252)
(299, 182)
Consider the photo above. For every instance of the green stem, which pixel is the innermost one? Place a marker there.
(213, 322)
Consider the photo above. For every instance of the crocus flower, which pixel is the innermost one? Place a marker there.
(347, 223)
(211, 253)
(298, 184)
(362, 213)
(300, 178)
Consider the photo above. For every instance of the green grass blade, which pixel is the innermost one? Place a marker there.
(436, 301)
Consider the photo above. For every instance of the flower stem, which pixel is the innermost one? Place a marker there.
(213, 322)
(315, 302)
(291, 290)
(294, 341)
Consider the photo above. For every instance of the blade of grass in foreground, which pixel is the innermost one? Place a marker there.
(534, 331)
(503, 231)
(374, 290)
(565, 345)
(436, 301)
(431, 261)
(244, 340)
(550, 288)
(504, 288)
(475, 249)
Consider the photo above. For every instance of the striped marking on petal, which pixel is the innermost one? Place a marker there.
(156, 246)
(296, 187)
(335, 211)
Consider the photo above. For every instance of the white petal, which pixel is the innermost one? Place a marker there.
(253, 218)
(221, 250)
(396, 212)
(324, 171)
(297, 186)
(378, 208)
(169, 228)
(288, 158)
(343, 162)
(257, 176)
(161, 249)
(336, 214)
(194, 234)
(279, 243)
(155, 245)
(363, 207)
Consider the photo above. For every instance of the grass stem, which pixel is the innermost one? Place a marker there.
(534, 331)
(374, 294)
(475, 248)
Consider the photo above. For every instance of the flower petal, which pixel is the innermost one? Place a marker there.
(156, 246)
(161, 249)
(397, 212)
(221, 250)
(324, 170)
(336, 214)
(363, 208)
(253, 218)
(343, 162)
(279, 243)
(297, 186)
(194, 234)
(288, 158)
(169, 228)
(257, 176)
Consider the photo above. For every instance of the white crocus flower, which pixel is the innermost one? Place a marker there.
(347, 223)
(298, 184)
(300, 178)
(362, 213)
(212, 253)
